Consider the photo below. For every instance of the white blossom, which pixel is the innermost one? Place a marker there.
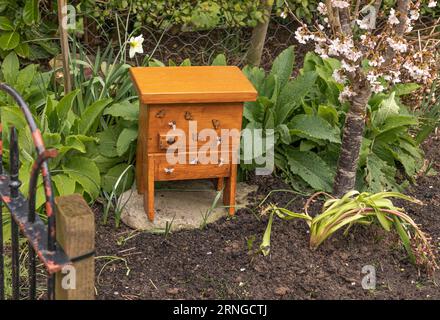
(340, 4)
(135, 44)
(392, 19)
(302, 35)
(377, 62)
(416, 72)
(347, 67)
(283, 15)
(399, 45)
(364, 24)
(377, 87)
(346, 94)
(322, 8)
(338, 76)
(321, 51)
(414, 14)
(432, 4)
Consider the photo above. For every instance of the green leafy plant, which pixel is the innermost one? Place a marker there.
(304, 128)
(429, 113)
(188, 15)
(65, 127)
(303, 9)
(307, 118)
(361, 208)
(23, 31)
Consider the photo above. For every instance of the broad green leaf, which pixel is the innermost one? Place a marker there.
(387, 108)
(103, 163)
(284, 133)
(85, 172)
(254, 111)
(51, 140)
(121, 173)
(405, 88)
(25, 77)
(219, 60)
(13, 116)
(5, 24)
(64, 184)
(125, 109)
(306, 145)
(22, 50)
(314, 127)
(66, 104)
(107, 141)
(155, 63)
(329, 113)
(396, 122)
(408, 162)
(292, 95)
(10, 67)
(311, 168)
(186, 63)
(256, 76)
(9, 40)
(126, 138)
(379, 175)
(282, 66)
(31, 13)
(75, 142)
(91, 115)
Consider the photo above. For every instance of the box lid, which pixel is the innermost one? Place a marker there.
(192, 84)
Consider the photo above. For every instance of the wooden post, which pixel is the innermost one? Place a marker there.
(76, 235)
(64, 40)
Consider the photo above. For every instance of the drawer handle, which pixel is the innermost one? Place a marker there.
(194, 161)
(216, 123)
(171, 140)
(160, 114)
(172, 124)
(221, 162)
(188, 116)
(168, 170)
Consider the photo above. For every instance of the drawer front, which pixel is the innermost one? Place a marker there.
(190, 170)
(167, 122)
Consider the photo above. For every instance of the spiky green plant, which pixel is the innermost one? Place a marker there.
(361, 208)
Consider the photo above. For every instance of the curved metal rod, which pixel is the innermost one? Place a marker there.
(39, 146)
(51, 153)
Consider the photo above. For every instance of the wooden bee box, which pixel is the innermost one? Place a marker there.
(173, 100)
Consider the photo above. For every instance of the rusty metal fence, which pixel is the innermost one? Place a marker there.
(41, 238)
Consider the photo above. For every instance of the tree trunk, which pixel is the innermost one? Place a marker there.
(253, 56)
(351, 141)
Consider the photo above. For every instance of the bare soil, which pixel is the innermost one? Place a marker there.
(220, 263)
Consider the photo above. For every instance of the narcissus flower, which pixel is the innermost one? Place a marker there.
(136, 45)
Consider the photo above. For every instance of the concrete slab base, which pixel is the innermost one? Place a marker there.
(186, 203)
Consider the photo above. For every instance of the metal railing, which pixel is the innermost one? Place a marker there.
(41, 238)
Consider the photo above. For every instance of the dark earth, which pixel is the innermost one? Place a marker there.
(220, 262)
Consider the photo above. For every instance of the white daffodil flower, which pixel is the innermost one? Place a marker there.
(136, 45)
